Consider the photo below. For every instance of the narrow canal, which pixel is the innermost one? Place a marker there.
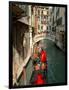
(56, 64)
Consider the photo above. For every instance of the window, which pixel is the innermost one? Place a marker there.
(57, 13)
(47, 17)
(42, 12)
(47, 27)
(50, 19)
(38, 12)
(53, 20)
(54, 28)
(59, 21)
(42, 7)
(38, 27)
(50, 27)
(42, 27)
(43, 22)
(44, 17)
(47, 12)
(53, 9)
(46, 8)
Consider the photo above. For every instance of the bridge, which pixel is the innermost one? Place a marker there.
(42, 36)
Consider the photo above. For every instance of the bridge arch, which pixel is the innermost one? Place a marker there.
(41, 37)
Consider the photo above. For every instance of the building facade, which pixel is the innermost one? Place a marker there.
(40, 18)
(57, 25)
(22, 41)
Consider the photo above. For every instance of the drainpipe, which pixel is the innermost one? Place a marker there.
(40, 20)
(30, 26)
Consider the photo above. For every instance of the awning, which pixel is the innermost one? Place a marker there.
(24, 20)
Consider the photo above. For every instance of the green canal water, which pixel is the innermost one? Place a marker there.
(56, 65)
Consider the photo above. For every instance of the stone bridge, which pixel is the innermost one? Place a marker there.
(42, 36)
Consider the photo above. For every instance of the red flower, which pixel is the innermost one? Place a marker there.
(40, 80)
(43, 56)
